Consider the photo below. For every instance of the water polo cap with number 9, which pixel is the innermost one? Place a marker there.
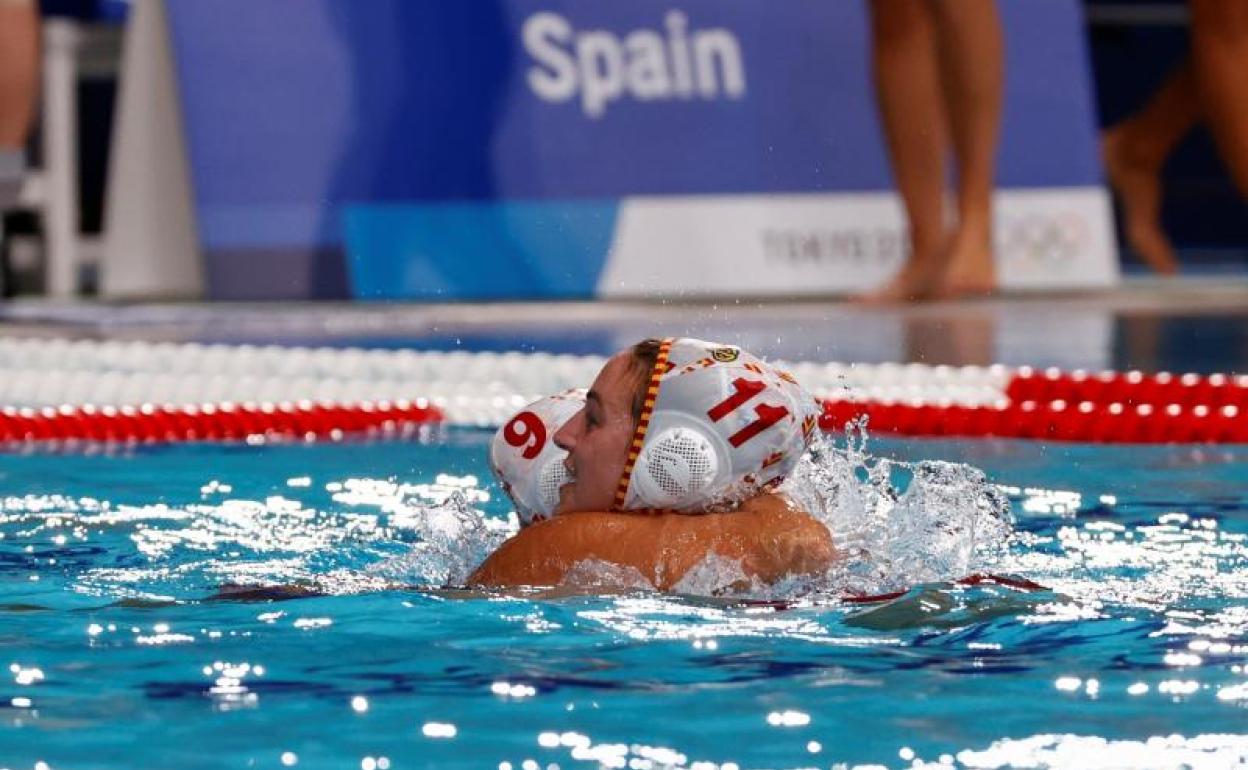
(717, 425)
(525, 459)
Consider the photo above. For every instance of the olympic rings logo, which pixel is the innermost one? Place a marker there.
(1053, 239)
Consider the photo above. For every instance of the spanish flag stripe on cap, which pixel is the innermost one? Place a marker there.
(639, 436)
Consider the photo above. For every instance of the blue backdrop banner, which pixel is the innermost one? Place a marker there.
(572, 148)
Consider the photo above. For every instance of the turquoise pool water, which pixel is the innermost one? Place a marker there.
(123, 645)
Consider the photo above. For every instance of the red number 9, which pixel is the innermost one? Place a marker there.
(526, 430)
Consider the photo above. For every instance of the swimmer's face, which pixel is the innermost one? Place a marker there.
(597, 439)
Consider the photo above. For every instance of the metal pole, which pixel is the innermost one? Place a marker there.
(62, 39)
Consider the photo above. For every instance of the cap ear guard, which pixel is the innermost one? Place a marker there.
(680, 467)
(525, 459)
(553, 475)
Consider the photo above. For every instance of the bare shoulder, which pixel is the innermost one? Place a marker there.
(778, 509)
(768, 535)
(543, 552)
(585, 528)
(786, 538)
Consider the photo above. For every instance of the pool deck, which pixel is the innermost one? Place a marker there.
(1189, 324)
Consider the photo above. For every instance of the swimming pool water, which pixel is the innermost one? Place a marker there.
(119, 652)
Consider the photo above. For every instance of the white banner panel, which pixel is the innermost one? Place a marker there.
(816, 244)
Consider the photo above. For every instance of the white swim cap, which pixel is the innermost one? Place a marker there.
(717, 425)
(526, 461)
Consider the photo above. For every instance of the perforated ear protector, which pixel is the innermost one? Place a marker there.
(717, 424)
(678, 462)
(525, 459)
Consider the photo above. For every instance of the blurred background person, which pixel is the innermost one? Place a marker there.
(19, 78)
(1211, 84)
(939, 75)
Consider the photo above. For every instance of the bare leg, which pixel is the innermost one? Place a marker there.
(907, 88)
(1220, 58)
(19, 70)
(972, 66)
(1136, 149)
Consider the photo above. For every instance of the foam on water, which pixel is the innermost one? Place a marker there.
(899, 524)
(454, 538)
(374, 533)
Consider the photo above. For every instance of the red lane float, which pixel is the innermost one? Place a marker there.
(1129, 388)
(1105, 407)
(1113, 423)
(211, 422)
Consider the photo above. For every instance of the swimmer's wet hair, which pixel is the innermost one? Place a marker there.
(644, 355)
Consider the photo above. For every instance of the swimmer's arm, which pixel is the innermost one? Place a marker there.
(543, 553)
(769, 538)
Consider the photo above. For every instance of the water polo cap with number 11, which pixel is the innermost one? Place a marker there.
(718, 425)
(525, 459)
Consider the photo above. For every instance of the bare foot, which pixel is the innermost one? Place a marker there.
(970, 265)
(1137, 184)
(917, 280)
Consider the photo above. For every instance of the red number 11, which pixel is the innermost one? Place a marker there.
(744, 390)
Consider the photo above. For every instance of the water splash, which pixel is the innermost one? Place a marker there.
(899, 524)
(602, 577)
(453, 538)
(716, 576)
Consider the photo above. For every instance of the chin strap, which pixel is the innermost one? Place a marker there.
(639, 435)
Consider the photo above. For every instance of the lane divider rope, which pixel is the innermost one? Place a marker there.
(1058, 420)
(1105, 407)
(1162, 388)
(84, 389)
(220, 422)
